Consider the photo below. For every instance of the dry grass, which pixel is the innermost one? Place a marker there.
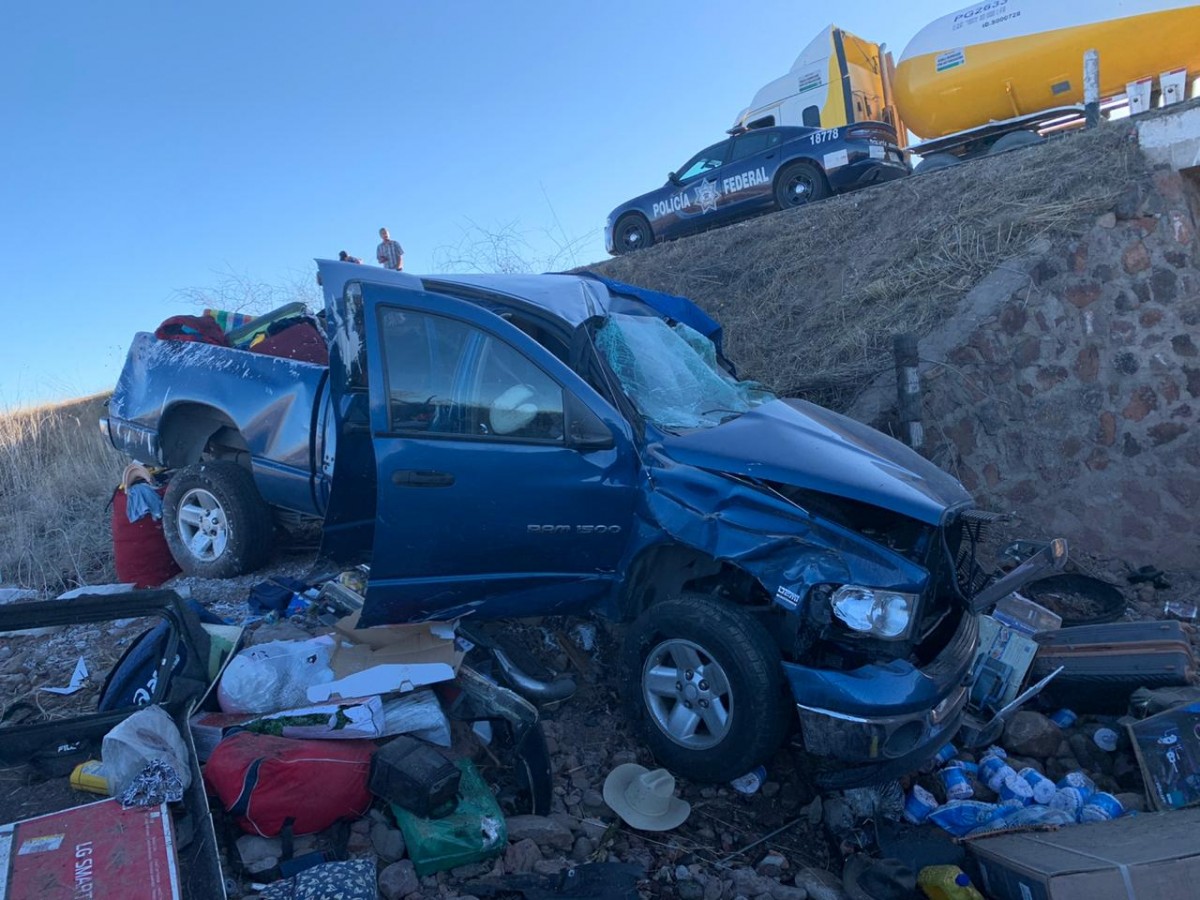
(811, 298)
(56, 474)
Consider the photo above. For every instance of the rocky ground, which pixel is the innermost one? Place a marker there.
(784, 842)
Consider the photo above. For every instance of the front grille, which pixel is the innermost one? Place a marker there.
(967, 539)
(949, 663)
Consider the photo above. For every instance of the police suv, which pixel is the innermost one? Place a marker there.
(756, 171)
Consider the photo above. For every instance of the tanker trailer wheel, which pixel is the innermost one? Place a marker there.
(800, 183)
(215, 521)
(632, 232)
(1015, 139)
(705, 686)
(935, 161)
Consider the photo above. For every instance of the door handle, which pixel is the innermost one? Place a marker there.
(421, 478)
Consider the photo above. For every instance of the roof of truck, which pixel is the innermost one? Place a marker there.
(572, 298)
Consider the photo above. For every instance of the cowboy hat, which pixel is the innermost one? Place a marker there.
(645, 799)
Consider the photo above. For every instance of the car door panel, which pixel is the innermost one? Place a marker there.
(747, 182)
(483, 504)
(693, 203)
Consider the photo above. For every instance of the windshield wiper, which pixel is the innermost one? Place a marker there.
(726, 409)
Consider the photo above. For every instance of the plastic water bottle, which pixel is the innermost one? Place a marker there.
(1105, 739)
(944, 755)
(918, 805)
(1064, 718)
(994, 750)
(1101, 807)
(959, 817)
(954, 780)
(947, 883)
(1014, 787)
(1043, 788)
(1077, 780)
(1069, 800)
(750, 782)
(997, 779)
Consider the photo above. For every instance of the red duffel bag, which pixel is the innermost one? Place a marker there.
(267, 782)
(140, 552)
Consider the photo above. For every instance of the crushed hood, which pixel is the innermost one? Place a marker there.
(806, 446)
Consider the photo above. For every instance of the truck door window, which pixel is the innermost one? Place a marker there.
(446, 377)
(811, 116)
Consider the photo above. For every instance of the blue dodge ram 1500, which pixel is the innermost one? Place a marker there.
(526, 445)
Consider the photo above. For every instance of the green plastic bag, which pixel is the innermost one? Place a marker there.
(473, 832)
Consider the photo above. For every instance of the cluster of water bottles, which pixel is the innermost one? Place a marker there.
(1026, 797)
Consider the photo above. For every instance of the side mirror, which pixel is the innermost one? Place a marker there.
(674, 179)
(585, 430)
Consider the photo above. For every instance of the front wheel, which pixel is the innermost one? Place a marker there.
(632, 232)
(706, 687)
(800, 183)
(215, 521)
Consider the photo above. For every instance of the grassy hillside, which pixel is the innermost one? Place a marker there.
(57, 473)
(810, 298)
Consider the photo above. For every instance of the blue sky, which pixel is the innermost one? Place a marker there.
(152, 148)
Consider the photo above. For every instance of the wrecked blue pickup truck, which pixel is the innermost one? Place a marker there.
(526, 445)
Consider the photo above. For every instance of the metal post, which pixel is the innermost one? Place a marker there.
(1091, 88)
(908, 389)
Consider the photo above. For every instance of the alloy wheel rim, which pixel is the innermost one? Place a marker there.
(687, 694)
(799, 189)
(202, 525)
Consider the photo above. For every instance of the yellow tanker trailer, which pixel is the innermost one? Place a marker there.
(998, 69)
(986, 78)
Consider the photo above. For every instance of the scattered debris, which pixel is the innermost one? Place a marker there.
(78, 677)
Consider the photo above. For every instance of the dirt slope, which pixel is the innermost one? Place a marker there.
(811, 297)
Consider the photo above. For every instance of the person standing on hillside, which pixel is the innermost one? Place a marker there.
(389, 253)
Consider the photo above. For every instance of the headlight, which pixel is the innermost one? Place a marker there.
(882, 613)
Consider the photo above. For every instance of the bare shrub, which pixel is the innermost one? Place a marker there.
(810, 298)
(57, 472)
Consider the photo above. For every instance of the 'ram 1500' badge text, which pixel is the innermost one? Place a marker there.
(573, 529)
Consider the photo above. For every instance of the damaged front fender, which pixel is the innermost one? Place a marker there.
(766, 535)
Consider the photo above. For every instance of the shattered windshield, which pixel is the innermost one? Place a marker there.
(672, 375)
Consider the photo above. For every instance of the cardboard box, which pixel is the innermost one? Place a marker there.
(389, 658)
(419, 642)
(96, 850)
(1168, 751)
(1154, 856)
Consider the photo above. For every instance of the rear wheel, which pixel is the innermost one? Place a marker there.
(632, 232)
(215, 521)
(935, 161)
(800, 183)
(1015, 139)
(706, 687)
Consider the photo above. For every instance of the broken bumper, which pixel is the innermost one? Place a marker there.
(881, 721)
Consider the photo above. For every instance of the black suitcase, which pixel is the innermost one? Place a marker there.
(1105, 664)
(413, 775)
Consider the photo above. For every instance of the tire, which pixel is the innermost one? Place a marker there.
(1015, 139)
(632, 232)
(935, 161)
(800, 183)
(699, 636)
(215, 521)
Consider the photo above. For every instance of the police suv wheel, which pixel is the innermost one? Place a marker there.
(706, 687)
(632, 232)
(800, 183)
(215, 521)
